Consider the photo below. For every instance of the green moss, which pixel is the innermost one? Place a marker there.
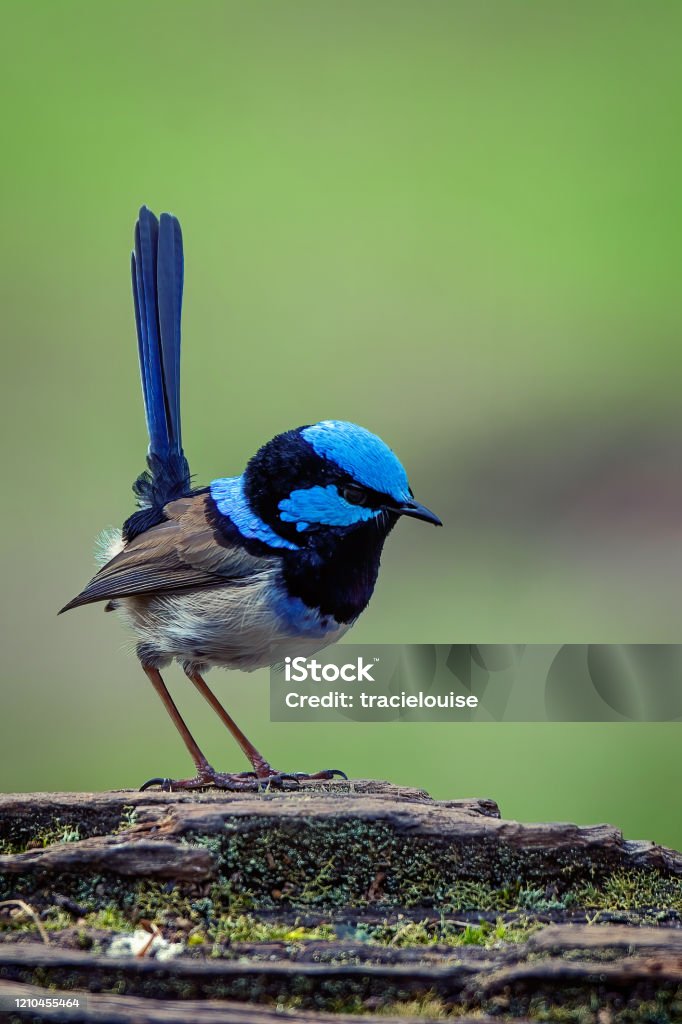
(53, 919)
(479, 896)
(407, 933)
(309, 868)
(429, 1005)
(268, 878)
(129, 817)
(164, 904)
(578, 1008)
(536, 900)
(214, 917)
(110, 918)
(46, 824)
(57, 832)
(632, 890)
(245, 928)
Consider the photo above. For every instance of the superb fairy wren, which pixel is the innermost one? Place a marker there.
(241, 573)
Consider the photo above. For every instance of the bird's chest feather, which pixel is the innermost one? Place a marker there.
(247, 627)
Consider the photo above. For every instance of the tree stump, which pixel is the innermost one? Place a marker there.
(333, 901)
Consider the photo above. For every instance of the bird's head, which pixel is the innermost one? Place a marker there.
(328, 480)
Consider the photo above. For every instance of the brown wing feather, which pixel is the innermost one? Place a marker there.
(182, 552)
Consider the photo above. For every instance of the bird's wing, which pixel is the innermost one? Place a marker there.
(183, 551)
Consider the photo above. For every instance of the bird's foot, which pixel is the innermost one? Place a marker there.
(208, 778)
(265, 775)
(263, 778)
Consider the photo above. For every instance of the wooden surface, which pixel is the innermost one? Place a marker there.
(643, 960)
(106, 1009)
(373, 845)
(151, 847)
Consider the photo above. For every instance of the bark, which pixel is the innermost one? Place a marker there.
(365, 858)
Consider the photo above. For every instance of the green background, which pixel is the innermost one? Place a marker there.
(457, 224)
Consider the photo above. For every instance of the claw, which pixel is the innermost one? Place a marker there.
(166, 785)
(322, 776)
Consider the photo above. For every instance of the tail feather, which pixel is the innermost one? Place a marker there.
(157, 275)
(170, 276)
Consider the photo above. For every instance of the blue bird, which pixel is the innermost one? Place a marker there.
(241, 573)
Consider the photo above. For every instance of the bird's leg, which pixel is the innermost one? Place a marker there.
(262, 770)
(206, 775)
(260, 766)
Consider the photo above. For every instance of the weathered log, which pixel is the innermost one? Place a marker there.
(464, 839)
(139, 858)
(337, 895)
(560, 938)
(551, 974)
(260, 979)
(642, 959)
(107, 1009)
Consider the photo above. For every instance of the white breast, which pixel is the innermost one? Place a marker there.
(233, 626)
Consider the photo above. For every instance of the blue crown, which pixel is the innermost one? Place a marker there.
(361, 454)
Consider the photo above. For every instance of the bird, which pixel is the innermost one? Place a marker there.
(238, 573)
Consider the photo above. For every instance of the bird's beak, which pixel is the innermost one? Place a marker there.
(417, 511)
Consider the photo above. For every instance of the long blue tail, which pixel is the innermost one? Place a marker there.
(157, 271)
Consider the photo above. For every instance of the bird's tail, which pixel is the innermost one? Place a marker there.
(157, 270)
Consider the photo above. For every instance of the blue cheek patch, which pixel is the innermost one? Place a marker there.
(228, 494)
(361, 454)
(322, 505)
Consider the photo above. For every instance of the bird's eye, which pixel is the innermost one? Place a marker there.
(353, 495)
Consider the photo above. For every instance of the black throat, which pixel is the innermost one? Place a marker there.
(337, 574)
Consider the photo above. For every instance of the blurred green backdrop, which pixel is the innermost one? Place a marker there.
(455, 223)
